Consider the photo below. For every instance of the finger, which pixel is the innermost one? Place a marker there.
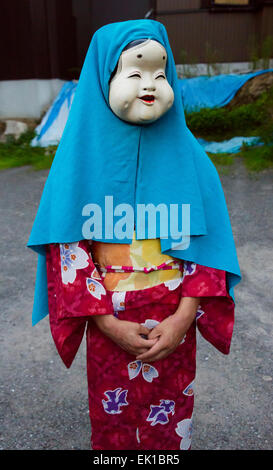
(154, 333)
(143, 330)
(145, 343)
(155, 357)
(165, 352)
(162, 355)
(140, 351)
(158, 346)
(144, 336)
(133, 349)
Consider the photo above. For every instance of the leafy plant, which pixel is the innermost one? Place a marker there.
(267, 51)
(260, 54)
(14, 153)
(211, 57)
(248, 119)
(187, 64)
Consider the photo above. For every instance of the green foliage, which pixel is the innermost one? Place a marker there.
(266, 133)
(211, 58)
(14, 153)
(257, 158)
(222, 121)
(253, 48)
(260, 53)
(222, 161)
(253, 119)
(188, 64)
(267, 51)
(247, 119)
(212, 124)
(260, 157)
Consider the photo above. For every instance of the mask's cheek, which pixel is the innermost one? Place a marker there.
(166, 97)
(122, 95)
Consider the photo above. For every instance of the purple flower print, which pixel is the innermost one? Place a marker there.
(189, 268)
(116, 399)
(159, 413)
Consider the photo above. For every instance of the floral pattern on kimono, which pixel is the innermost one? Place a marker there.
(75, 293)
(215, 314)
(134, 405)
(155, 401)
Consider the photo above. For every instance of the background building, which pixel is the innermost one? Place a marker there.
(44, 42)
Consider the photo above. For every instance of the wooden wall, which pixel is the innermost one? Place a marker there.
(49, 38)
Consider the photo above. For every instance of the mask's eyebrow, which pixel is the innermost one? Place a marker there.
(139, 56)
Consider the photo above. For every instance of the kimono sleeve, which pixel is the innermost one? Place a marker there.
(75, 293)
(215, 314)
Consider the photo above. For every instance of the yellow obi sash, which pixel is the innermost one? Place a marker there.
(141, 254)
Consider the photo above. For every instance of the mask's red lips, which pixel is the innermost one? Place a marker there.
(148, 98)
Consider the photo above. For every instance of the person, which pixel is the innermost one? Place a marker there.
(142, 289)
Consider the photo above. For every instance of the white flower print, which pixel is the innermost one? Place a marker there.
(149, 373)
(118, 300)
(95, 288)
(189, 390)
(184, 430)
(72, 258)
(137, 435)
(150, 324)
(172, 284)
(95, 274)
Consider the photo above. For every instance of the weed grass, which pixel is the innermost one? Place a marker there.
(14, 153)
(221, 123)
(257, 158)
(253, 119)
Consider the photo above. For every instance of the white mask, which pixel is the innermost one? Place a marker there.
(139, 92)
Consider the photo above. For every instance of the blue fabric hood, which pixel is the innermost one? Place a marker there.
(100, 155)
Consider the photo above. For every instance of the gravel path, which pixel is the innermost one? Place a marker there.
(44, 405)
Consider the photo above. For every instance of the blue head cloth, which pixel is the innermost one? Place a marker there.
(160, 163)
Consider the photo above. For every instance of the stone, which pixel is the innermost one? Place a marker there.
(15, 128)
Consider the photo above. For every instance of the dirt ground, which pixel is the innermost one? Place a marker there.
(252, 89)
(44, 405)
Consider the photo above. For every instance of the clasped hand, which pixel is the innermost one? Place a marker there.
(161, 341)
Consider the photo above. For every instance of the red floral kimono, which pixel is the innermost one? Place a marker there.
(133, 404)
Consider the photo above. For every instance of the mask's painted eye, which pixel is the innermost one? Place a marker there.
(135, 75)
(160, 76)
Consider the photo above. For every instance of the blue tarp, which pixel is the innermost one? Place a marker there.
(50, 130)
(212, 92)
(197, 93)
(228, 146)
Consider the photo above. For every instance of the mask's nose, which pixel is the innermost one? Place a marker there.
(149, 85)
(149, 88)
